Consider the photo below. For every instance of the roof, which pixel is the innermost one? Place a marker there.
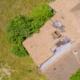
(68, 9)
(64, 66)
(42, 42)
(39, 45)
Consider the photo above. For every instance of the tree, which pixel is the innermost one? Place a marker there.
(76, 76)
(17, 31)
(42, 14)
(23, 27)
(19, 27)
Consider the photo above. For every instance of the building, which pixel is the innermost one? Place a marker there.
(53, 48)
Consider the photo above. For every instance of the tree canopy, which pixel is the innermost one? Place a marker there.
(42, 14)
(76, 76)
(23, 27)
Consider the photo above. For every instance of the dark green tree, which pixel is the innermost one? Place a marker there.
(19, 27)
(17, 31)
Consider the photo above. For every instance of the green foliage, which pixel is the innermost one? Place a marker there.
(76, 76)
(5, 77)
(42, 14)
(23, 27)
(36, 67)
(29, 71)
(19, 50)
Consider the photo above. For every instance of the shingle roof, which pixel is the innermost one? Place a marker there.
(39, 45)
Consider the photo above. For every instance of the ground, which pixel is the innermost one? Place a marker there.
(17, 66)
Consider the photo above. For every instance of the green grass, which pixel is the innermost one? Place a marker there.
(36, 67)
(8, 10)
(5, 77)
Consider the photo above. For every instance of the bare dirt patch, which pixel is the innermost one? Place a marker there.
(5, 72)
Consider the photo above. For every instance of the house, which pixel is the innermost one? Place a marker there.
(53, 48)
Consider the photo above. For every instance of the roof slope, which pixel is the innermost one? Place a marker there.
(39, 45)
(64, 66)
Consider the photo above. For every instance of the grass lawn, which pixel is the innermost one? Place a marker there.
(11, 66)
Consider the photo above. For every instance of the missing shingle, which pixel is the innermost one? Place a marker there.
(54, 68)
